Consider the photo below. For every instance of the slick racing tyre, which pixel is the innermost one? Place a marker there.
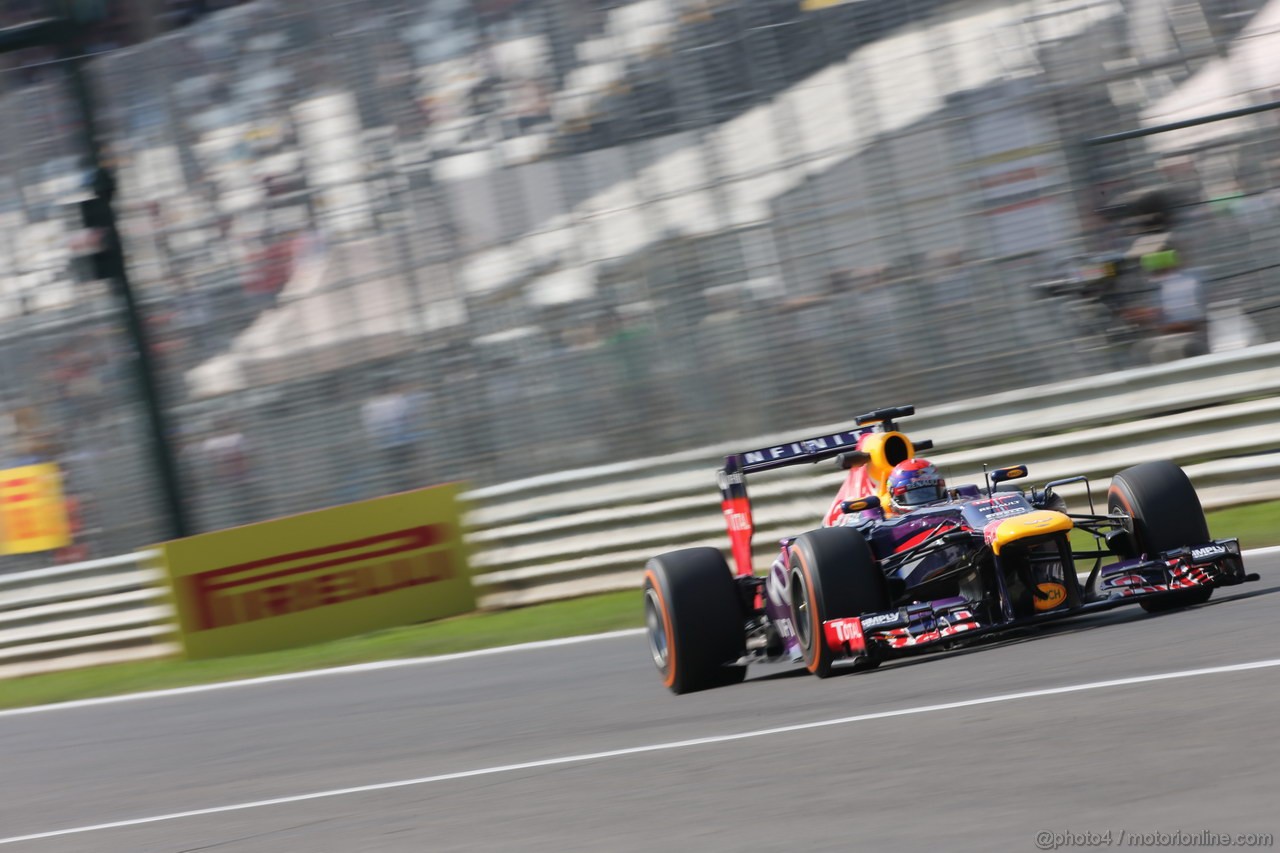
(833, 574)
(1166, 514)
(694, 620)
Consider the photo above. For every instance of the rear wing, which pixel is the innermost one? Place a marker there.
(813, 449)
(888, 448)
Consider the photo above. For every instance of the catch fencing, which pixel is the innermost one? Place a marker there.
(386, 244)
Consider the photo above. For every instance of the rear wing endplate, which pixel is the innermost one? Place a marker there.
(732, 478)
(734, 501)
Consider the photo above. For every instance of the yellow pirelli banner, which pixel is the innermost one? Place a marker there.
(33, 515)
(321, 575)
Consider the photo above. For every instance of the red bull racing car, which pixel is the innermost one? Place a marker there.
(903, 563)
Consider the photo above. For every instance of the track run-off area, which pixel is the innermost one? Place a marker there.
(1119, 726)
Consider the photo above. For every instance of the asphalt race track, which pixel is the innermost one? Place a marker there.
(578, 747)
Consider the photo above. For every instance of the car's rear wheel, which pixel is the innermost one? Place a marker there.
(1166, 514)
(833, 574)
(694, 620)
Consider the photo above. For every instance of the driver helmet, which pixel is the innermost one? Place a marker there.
(914, 483)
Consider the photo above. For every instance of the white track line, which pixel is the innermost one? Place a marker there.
(364, 667)
(314, 673)
(655, 747)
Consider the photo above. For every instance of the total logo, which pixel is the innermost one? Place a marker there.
(848, 630)
(844, 636)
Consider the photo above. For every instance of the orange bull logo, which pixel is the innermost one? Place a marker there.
(303, 580)
(1054, 594)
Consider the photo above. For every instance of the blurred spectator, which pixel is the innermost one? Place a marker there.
(226, 464)
(271, 267)
(392, 422)
(79, 488)
(192, 320)
(31, 440)
(77, 549)
(1177, 321)
(76, 376)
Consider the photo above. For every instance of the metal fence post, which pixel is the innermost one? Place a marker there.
(98, 214)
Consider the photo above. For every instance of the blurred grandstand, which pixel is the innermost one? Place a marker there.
(515, 237)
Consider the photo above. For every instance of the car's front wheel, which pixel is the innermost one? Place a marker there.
(833, 574)
(1166, 514)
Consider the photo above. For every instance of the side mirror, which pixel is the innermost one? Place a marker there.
(1015, 472)
(859, 504)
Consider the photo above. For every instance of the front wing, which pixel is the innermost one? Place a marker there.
(949, 620)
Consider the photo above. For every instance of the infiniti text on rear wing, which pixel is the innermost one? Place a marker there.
(795, 452)
(734, 501)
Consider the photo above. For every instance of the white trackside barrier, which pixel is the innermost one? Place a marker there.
(83, 613)
(591, 530)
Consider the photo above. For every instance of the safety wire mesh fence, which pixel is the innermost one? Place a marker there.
(384, 244)
(64, 360)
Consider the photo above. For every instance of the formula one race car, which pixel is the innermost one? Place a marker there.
(903, 564)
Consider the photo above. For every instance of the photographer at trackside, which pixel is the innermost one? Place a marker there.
(1175, 323)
